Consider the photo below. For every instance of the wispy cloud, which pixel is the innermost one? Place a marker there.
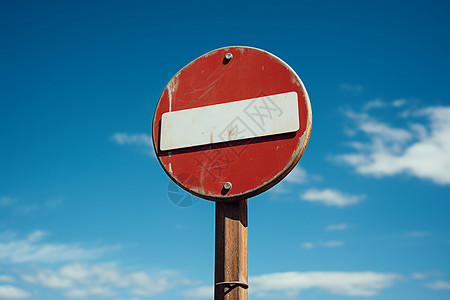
(308, 245)
(298, 176)
(135, 139)
(417, 234)
(34, 249)
(288, 284)
(383, 104)
(351, 88)
(11, 292)
(439, 285)
(199, 292)
(332, 244)
(336, 283)
(139, 139)
(6, 278)
(327, 244)
(331, 197)
(67, 269)
(417, 149)
(54, 202)
(7, 201)
(334, 227)
(103, 280)
(23, 208)
(425, 275)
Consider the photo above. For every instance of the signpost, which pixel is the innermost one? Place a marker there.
(229, 126)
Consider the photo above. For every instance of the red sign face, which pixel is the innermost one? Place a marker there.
(225, 127)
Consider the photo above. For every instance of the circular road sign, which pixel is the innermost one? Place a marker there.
(232, 123)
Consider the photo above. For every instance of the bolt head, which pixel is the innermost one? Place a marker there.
(227, 185)
(228, 56)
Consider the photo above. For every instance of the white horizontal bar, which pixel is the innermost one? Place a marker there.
(230, 121)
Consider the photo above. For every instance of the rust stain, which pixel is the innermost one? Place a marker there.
(211, 53)
(295, 80)
(172, 87)
(231, 132)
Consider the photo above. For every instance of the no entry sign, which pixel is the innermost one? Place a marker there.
(232, 123)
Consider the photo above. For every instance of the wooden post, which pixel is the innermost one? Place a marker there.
(231, 276)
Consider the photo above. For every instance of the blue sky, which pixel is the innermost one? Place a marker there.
(84, 209)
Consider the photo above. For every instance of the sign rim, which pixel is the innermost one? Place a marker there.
(298, 153)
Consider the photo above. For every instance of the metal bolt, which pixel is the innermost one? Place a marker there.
(227, 185)
(228, 56)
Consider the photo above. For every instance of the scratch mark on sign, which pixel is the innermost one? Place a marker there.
(208, 84)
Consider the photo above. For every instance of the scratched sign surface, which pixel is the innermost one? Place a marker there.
(237, 114)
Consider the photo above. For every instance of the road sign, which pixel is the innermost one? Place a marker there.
(232, 123)
(228, 126)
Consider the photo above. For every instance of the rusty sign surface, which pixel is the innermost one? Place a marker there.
(232, 123)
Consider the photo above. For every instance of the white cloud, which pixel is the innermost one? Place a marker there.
(6, 278)
(144, 285)
(53, 203)
(24, 208)
(417, 234)
(439, 285)
(37, 236)
(140, 139)
(417, 149)
(336, 283)
(297, 175)
(399, 102)
(425, 275)
(49, 279)
(328, 244)
(334, 227)
(374, 104)
(383, 104)
(199, 292)
(418, 275)
(96, 291)
(280, 285)
(280, 189)
(331, 197)
(332, 244)
(308, 245)
(351, 88)
(11, 292)
(13, 203)
(7, 201)
(105, 280)
(32, 249)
